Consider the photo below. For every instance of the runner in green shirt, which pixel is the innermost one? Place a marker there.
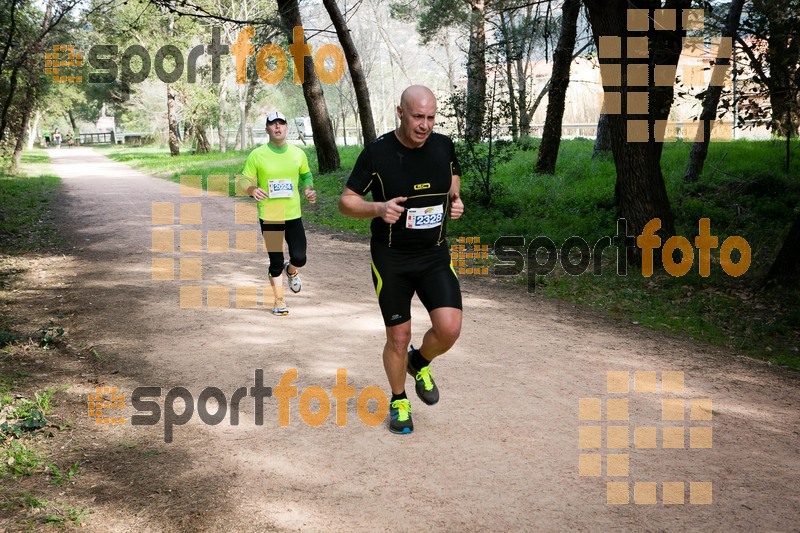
(274, 174)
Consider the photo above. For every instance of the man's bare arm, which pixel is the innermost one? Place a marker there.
(354, 205)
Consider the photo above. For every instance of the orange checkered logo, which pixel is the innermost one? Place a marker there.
(103, 400)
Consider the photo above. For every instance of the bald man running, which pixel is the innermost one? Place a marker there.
(413, 176)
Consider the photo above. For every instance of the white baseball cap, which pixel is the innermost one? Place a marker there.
(276, 115)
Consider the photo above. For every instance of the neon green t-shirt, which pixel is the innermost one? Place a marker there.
(281, 172)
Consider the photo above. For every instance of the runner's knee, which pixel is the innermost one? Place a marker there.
(448, 330)
(298, 261)
(399, 339)
(275, 269)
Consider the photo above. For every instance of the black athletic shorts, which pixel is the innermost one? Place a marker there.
(398, 274)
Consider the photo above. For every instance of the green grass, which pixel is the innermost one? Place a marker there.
(25, 220)
(156, 161)
(743, 191)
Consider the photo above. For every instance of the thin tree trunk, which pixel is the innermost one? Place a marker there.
(172, 113)
(203, 146)
(27, 105)
(525, 115)
(697, 157)
(241, 133)
(602, 140)
(172, 122)
(247, 129)
(356, 71)
(512, 104)
(34, 129)
(324, 139)
(19, 140)
(223, 95)
(786, 268)
(476, 72)
(71, 117)
(551, 136)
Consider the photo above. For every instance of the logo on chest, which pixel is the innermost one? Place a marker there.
(421, 186)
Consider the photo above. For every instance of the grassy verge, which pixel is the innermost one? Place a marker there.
(25, 222)
(743, 191)
(33, 479)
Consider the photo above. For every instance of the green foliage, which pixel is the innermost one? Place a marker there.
(431, 16)
(58, 476)
(49, 335)
(27, 415)
(19, 459)
(64, 514)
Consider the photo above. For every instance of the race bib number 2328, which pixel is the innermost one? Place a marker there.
(425, 217)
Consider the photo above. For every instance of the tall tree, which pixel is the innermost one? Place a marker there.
(778, 22)
(172, 95)
(697, 157)
(356, 71)
(433, 16)
(20, 41)
(32, 89)
(559, 81)
(324, 139)
(476, 71)
(640, 191)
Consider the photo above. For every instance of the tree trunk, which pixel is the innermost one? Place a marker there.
(525, 115)
(602, 140)
(559, 81)
(34, 129)
(237, 143)
(356, 71)
(203, 146)
(23, 62)
(324, 139)
(640, 191)
(241, 133)
(786, 268)
(26, 106)
(476, 72)
(512, 104)
(72, 123)
(172, 122)
(697, 157)
(222, 101)
(172, 114)
(247, 128)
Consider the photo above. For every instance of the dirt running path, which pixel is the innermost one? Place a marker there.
(499, 452)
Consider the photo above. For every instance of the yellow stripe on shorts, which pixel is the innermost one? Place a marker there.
(380, 280)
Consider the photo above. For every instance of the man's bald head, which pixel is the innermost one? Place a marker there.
(417, 95)
(417, 112)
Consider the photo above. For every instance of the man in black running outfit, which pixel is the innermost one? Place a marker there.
(413, 175)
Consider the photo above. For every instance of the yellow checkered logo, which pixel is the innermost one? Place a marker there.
(606, 436)
(463, 256)
(102, 401)
(63, 56)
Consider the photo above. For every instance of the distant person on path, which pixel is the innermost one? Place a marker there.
(274, 174)
(69, 139)
(414, 178)
(57, 138)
